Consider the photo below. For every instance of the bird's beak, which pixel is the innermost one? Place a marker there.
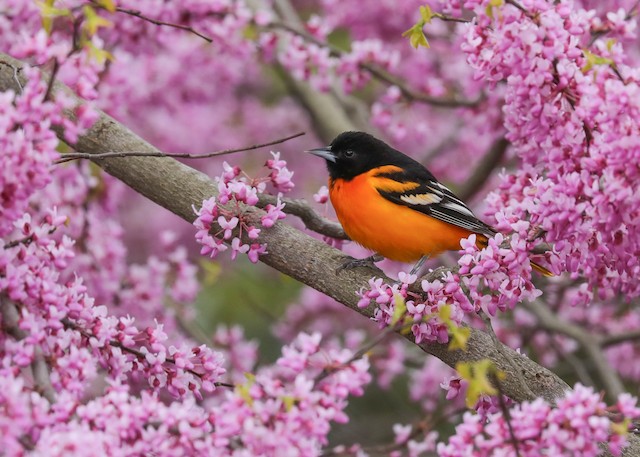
(325, 153)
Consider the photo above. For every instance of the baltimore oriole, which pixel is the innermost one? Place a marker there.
(393, 205)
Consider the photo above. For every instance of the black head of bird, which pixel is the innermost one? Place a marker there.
(353, 153)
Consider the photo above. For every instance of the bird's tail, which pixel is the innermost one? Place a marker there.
(540, 269)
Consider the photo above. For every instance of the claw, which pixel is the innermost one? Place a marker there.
(368, 262)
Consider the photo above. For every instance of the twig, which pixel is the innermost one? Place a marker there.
(600, 33)
(553, 323)
(52, 78)
(26, 240)
(360, 352)
(72, 325)
(611, 340)
(482, 172)
(521, 8)
(186, 28)
(104, 155)
(16, 69)
(379, 73)
(39, 366)
(507, 415)
(311, 219)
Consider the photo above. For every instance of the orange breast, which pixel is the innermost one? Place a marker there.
(394, 231)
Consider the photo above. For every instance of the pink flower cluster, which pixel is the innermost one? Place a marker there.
(230, 215)
(422, 311)
(28, 143)
(496, 277)
(574, 427)
(289, 407)
(316, 64)
(283, 409)
(571, 112)
(63, 321)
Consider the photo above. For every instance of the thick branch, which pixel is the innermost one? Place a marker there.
(39, 367)
(591, 345)
(484, 169)
(311, 219)
(177, 187)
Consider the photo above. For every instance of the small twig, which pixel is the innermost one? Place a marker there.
(186, 28)
(507, 415)
(600, 33)
(591, 345)
(484, 169)
(379, 73)
(611, 340)
(26, 240)
(398, 327)
(72, 325)
(84, 155)
(445, 18)
(521, 8)
(359, 353)
(39, 366)
(311, 219)
(52, 79)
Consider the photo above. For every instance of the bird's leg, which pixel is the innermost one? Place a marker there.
(419, 264)
(369, 262)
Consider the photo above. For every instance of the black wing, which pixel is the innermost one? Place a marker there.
(434, 199)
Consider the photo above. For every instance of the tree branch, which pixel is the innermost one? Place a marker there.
(177, 187)
(311, 219)
(553, 323)
(67, 157)
(618, 338)
(482, 172)
(39, 367)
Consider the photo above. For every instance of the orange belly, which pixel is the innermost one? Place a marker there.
(394, 231)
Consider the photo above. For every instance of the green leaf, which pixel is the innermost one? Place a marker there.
(459, 335)
(493, 4)
(243, 390)
(621, 428)
(108, 5)
(93, 21)
(459, 338)
(49, 12)
(288, 402)
(478, 375)
(211, 271)
(251, 33)
(426, 14)
(399, 309)
(593, 60)
(99, 54)
(416, 34)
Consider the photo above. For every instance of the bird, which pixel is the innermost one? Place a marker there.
(393, 205)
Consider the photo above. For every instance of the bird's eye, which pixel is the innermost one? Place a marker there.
(348, 153)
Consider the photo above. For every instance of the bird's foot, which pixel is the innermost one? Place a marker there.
(368, 262)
